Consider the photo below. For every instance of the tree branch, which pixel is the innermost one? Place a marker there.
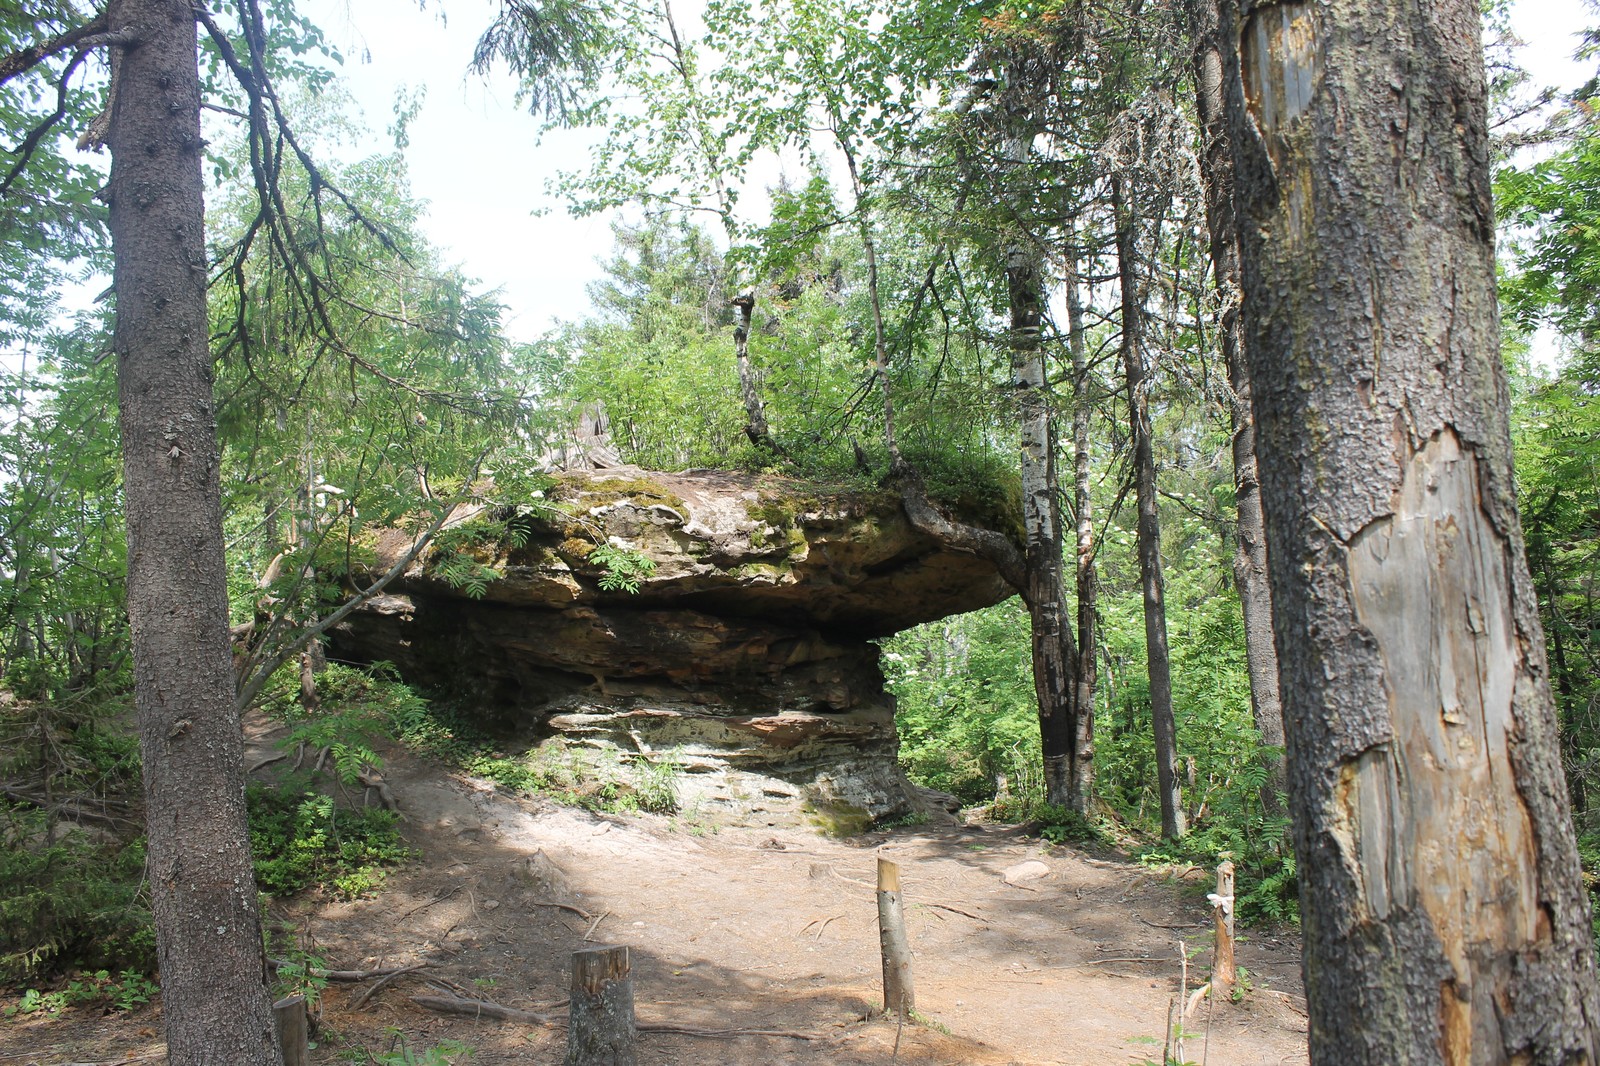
(250, 689)
(83, 38)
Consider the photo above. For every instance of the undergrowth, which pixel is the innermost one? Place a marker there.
(69, 900)
(301, 839)
(602, 781)
(597, 782)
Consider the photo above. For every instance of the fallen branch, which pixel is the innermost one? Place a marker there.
(368, 993)
(825, 922)
(595, 925)
(579, 911)
(474, 1008)
(262, 764)
(952, 910)
(717, 1034)
(353, 976)
(438, 897)
(374, 780)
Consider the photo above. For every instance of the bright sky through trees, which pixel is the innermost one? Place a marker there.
(473, 155)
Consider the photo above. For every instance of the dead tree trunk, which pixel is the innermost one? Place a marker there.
(755, 413)
(1250, 556)
(202, 888)
(1158, 663)
(899, 992)
(1445, 913)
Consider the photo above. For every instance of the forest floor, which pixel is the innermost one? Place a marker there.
(1072, 958)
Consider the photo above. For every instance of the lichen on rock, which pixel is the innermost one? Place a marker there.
(747, 652)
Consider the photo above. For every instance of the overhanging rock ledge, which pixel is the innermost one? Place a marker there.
(745, 659)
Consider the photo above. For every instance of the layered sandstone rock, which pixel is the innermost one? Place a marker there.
(745, 658)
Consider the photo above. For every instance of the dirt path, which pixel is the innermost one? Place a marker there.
(757, 928)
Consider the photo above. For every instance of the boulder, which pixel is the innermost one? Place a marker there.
(743, 660)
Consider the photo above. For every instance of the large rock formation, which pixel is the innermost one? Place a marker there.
(745, 657)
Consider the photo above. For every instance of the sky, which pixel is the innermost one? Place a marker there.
(476, 159)
(475, 156)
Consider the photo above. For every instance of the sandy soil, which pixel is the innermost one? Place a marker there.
(1070, 960)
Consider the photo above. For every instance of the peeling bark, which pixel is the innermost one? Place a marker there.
(1055, 652)
(755, 413)
(1444, 911)
(1250, 556)
(1081, 783)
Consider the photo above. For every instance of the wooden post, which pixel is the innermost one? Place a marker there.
(601, 1030)
(293, 1036)
(898, 994)
(1222, 970)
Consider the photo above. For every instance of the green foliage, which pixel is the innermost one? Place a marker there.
(400, 1053)
(1061, 825)
(968, 726)
(624, 568)
(600, 781)
(358, 709)
(299, 973)
(69, 901)
(128, 990)
(966, 714)
(302, 840)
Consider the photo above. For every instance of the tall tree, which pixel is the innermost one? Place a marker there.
(1445, 916)
(1025, 71)
(1081, 783)
(1250, 556)
(202, 884)
(1158, 658)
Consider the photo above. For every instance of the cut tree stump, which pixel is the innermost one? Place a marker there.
(899, 995)
(293, 1030)
(601, 1030)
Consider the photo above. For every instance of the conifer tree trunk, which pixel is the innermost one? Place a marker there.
(1444, 911)
(1250, 556)
(1158, 661)
(202, 887)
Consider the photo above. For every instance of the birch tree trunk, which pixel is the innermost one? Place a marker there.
(1445, 918)
(1081, 784)
(1158, 661)
(1054, 650)
(202, 886)
(1250, 556)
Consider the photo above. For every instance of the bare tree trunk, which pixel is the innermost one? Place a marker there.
(202, 887)
(1054, 651)
(1158, 662)
(755, 414)
(1250, 557)
(1081, 784)
(880, 345)
(1444, 911)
